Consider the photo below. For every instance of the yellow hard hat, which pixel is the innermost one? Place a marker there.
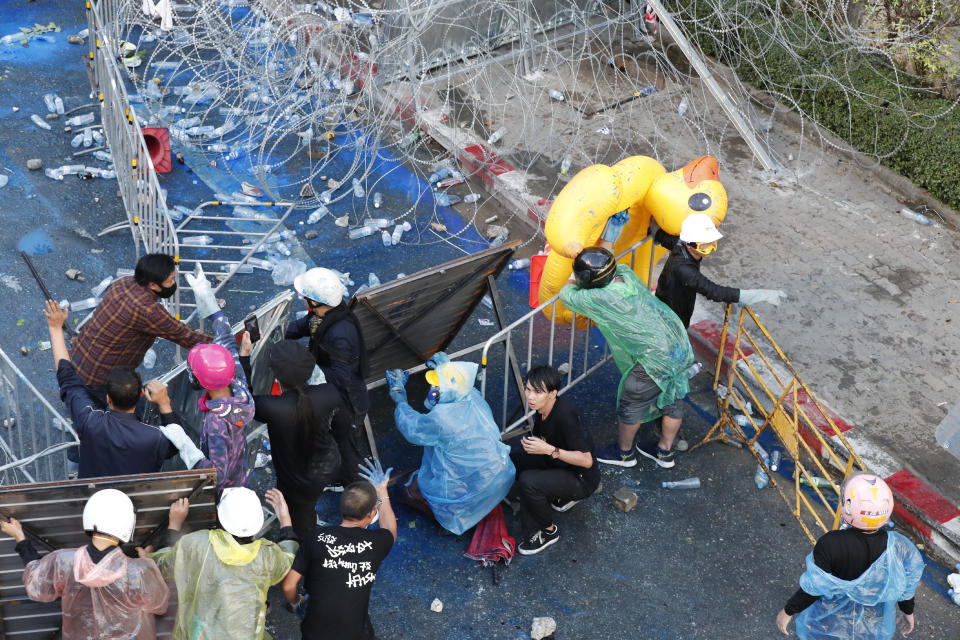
(432, 379)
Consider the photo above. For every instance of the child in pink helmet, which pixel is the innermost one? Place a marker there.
(227, 406)
(857, 576)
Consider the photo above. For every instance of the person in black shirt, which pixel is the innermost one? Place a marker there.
(860, 572)
(339, 564)
(681, 280)
(556, 468)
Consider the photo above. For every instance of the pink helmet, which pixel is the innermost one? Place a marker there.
(867, 502)
(212, 365)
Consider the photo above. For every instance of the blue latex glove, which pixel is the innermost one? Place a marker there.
(372, 472)
(615, 226)
(437, 359)
(397, 380)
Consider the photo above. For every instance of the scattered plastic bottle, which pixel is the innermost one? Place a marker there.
(519, 263)
(178, 212)
(58, 104)
(50, 101)
(775, 457)
(694, 369)
(373, 280)
(106, 156)
(317, 214)
(358, 191)
(919, 218)
(646, 90)
(87, 137)
(760, 477)
(266, 265)
(326, 197)
(496, 135)
(447, 199)
(954, 595)
(79, 121)
(688, 483)
(77, 140)
(377, 199)
(814, 481)
(124, 272)
(470, 198)
(385, 238)
(555, 95)
(398, 232)
(83, 305)
(565, 165)
(98, 290)
(438, 175)
(361, 232)
(282, 248)
(149, 358)
(684, 105)
(948, 431)
(197, 241)
(40, 122)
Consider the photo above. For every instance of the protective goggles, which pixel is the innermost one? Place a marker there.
(706, 248)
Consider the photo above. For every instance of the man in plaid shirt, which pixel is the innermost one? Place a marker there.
(128, 320)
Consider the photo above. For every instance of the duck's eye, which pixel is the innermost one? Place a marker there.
(699, 202)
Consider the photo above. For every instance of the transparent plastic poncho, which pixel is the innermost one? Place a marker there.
(640, 329)
(864, 608)
(112, 599)
(222, 584)
(466, 469)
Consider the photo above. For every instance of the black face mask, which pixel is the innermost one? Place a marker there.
(193, 381)
(166, 292)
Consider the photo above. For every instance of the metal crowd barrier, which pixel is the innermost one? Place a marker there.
(768, 392)
(34, 437)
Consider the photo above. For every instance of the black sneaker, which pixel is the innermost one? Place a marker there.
(562, 505)
(612, 454)
(653, 451)
(539, 541)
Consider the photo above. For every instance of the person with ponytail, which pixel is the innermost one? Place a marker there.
(301, 423)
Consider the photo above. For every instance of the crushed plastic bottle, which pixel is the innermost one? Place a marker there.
(919, 218)
(358, 191)
(694, 369)
(555, 95)
(83, 305)
(682, 108)
(266, 265)
(496, 135)
(197, 241)
(361, 232)
(438, 175)
(317, 214)
(565, 165)
(487, 301)
(149, 358)
(398, 232)
(40, 122)
(447, 199)
(284, 271)
(470, 198)
(760, 477)
(519, 263)
(688, 483)
(98, 290)
(326, 197)
(377, 199)
(79, 121)
(49, 100)
(123, 272)
(373, 280)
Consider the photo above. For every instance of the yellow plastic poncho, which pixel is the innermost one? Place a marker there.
(222, 584)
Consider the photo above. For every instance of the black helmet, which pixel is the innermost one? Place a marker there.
(594, 268)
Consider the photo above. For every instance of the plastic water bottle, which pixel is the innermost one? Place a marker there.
(447, 199)
(358, 191)
(379, 223)
(149, 358)
(470, 198)
(197, 241)
(814, 481)
(684, 104)
(377, 199)
(496, 135)
(326, 197)
(79, 121)
(688, 483)
(50, 101)
(775, 456)
(760, 477)
(58, 104)
(385, 238)
(87, 137)
(178, 212)
(398, 232)
(948, 431)
(555, 95)
(919, 218)
(317, 214)
(83, 305)
(361, 232)
(77, 140)
(519, 263)
(565, 165)
(40, 122)
(98, 290)
(266, 265)
(106, 156)
(694, 369)
(373, 280)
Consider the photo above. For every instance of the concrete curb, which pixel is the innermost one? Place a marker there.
(920, 508)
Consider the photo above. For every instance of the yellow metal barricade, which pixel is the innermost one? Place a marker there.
(755, 378)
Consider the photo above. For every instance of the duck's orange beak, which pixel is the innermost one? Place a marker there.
(703, 168)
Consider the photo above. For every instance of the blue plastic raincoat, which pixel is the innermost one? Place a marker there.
(466, 469)
(864, 608)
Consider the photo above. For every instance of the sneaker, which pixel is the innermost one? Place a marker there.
(612, 454)
(538, 541)
(562, 505)
(653, 451)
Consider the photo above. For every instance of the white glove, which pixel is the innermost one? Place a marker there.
(203, 294)
(189, 452)
(749, 297)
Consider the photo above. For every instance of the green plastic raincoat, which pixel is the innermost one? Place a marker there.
(640, 329)
(222, 584)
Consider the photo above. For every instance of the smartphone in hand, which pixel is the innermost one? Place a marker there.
(252, 326)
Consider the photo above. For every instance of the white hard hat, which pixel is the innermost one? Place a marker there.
(698, 227)
(320, 285)
(111, 512)
(239, 512)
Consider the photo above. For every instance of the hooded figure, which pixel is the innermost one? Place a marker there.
(466, 469)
